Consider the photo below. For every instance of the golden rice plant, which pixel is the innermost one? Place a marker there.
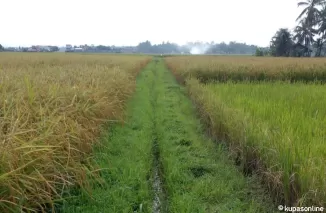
(51, 107)
(247, 68)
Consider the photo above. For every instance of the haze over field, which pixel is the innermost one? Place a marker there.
(127, 22)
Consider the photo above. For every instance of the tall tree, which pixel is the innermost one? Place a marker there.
(312, 22)
(310, 11)
(1, 48)
(144, 47)
(319, 46)
(321, 31)
(304, 35)
(281, 44)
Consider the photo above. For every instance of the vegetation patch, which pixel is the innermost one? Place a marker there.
(199, 171)
(184, 142)
(272, 130)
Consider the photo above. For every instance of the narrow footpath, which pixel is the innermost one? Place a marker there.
(161, 161)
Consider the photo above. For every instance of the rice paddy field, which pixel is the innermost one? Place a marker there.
(51, 107)
(90, 133)
(270, 112)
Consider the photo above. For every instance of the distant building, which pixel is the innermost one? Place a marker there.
(78, 49)
(45, 49)
(31, 49)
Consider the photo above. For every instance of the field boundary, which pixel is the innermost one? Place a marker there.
(251, 167)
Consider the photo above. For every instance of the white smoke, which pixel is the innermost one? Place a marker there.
(196, 48)
(199, 49)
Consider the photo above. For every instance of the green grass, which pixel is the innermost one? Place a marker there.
(126, 158)
(277, 126)
(197, 174)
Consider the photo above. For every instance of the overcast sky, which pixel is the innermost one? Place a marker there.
(128, 22)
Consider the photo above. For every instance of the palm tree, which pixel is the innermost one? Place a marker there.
(304, 35)
(321, 31)
(311, 11)
(322, 22)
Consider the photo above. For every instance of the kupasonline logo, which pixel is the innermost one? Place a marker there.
(300, 209)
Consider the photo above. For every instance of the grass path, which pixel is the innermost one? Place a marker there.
(160, 160)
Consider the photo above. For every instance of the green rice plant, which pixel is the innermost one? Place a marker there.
(275, 129)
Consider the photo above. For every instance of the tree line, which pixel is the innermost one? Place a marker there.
(232, 48)
(166, 48)
(307, 39)
(200, 47)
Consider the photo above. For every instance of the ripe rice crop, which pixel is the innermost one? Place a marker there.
(51, 107)
(246, 68)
